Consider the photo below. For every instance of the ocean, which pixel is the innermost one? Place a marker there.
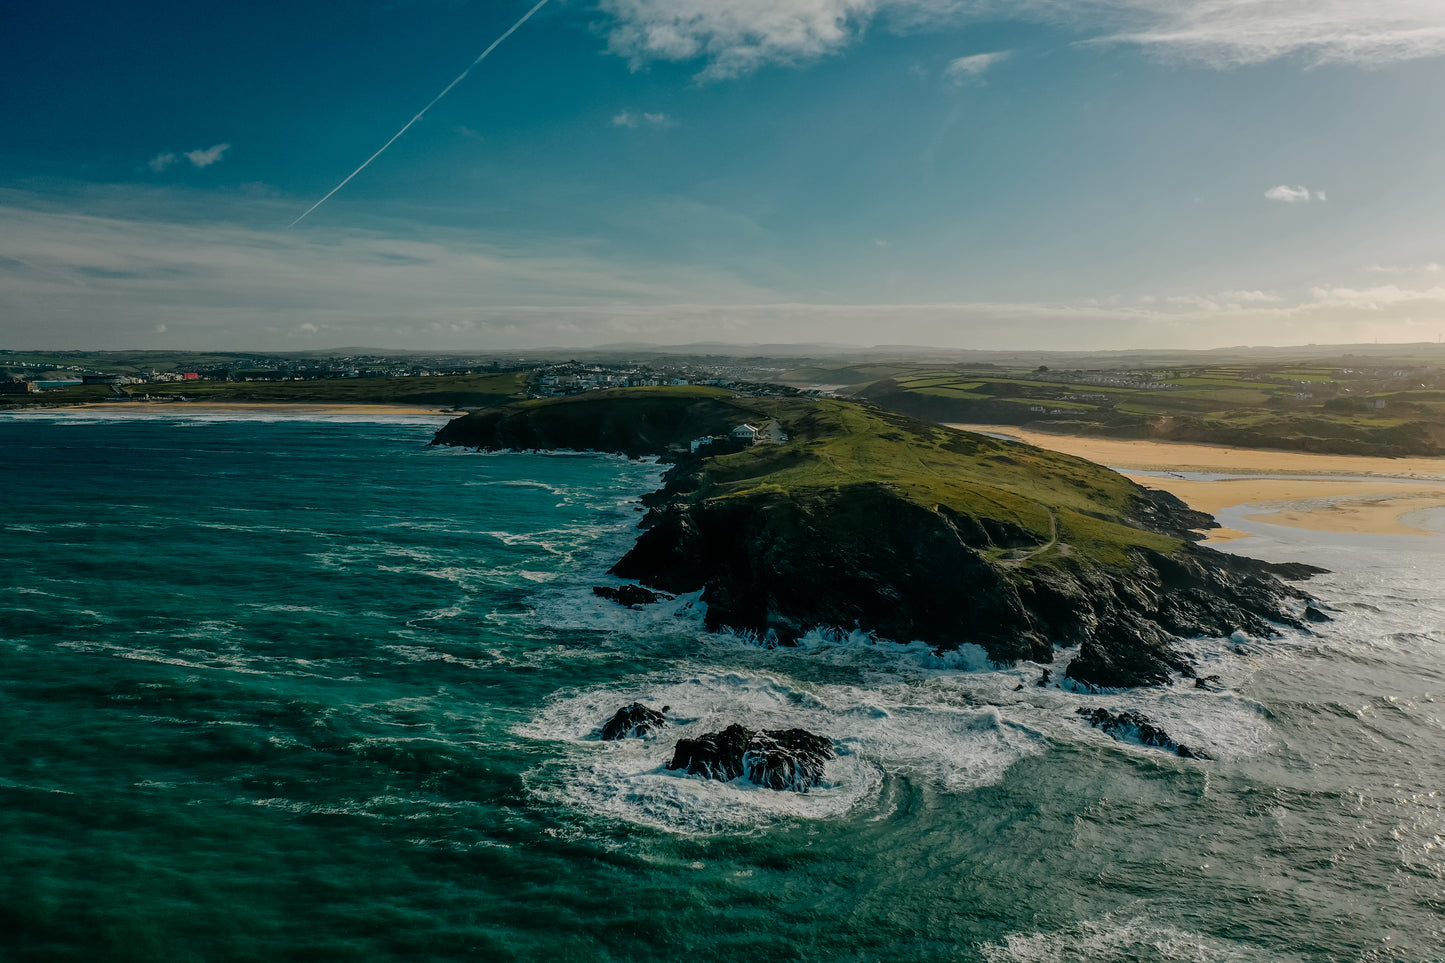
(281, 689)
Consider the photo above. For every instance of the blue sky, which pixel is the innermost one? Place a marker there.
(967, 173)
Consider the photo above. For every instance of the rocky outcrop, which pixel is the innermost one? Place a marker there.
(633, 721)
(777, 565)
(632, 596)
(782, 759)
(1135, 726)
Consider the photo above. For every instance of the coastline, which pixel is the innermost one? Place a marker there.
(249, 407)
(1353, 494)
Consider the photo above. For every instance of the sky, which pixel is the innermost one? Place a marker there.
(994, 174)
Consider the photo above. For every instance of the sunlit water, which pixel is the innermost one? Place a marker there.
(300, 690)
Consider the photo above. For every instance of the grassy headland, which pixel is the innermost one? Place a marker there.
(859, 517)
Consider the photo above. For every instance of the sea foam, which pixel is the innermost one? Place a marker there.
(878, 734)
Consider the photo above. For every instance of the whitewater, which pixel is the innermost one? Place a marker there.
(298, 688)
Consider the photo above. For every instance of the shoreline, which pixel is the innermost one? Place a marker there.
(254, 407)
(1349, 494)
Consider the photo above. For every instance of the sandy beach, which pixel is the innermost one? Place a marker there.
(261, 407)
(1332, 493)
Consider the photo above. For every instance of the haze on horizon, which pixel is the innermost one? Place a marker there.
(1047, 174)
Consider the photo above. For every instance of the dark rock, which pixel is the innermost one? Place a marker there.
(632, 596)
(1124, 725)
(1314, 614)
(1210, 682)
(1043, 679)
(783, 759)
(715, 755)
(787, 759)
(1294, 571)
(634, 720)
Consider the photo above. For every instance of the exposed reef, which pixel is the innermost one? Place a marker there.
(1133, 725)
(858, 518)
(632, 721)
(632, 596)
(782, 759)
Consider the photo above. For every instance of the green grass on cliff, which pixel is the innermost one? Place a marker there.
(1068, 503)
(1070, 508)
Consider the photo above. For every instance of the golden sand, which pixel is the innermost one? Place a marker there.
(1372, 502)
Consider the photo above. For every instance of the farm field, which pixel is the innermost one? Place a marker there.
(1382, 407)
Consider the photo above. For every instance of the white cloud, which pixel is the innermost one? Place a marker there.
(1289, 195)
(1402, 269)
(1377, 298)
(627, 118)
(735, 37)
(1222, 301)
(81, 279)
(1249, 297)
(967, 68)
(1227, 33)
(198, 158)
(207, 157)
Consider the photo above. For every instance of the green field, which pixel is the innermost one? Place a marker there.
(1394, 408)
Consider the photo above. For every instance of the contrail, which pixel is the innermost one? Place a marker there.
(446, 90)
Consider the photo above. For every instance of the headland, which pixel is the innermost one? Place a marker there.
(793, 513)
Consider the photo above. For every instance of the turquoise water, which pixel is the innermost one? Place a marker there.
(313, 690)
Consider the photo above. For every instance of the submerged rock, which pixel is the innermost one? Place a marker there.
(631, 596)
(1125, 724)
(783, 759)
(634, 720)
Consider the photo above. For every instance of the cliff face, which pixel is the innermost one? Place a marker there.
(634, 423)
(862, 557)
(870, 521)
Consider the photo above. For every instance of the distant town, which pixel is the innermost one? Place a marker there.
(21, 376)
(1386, 400)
